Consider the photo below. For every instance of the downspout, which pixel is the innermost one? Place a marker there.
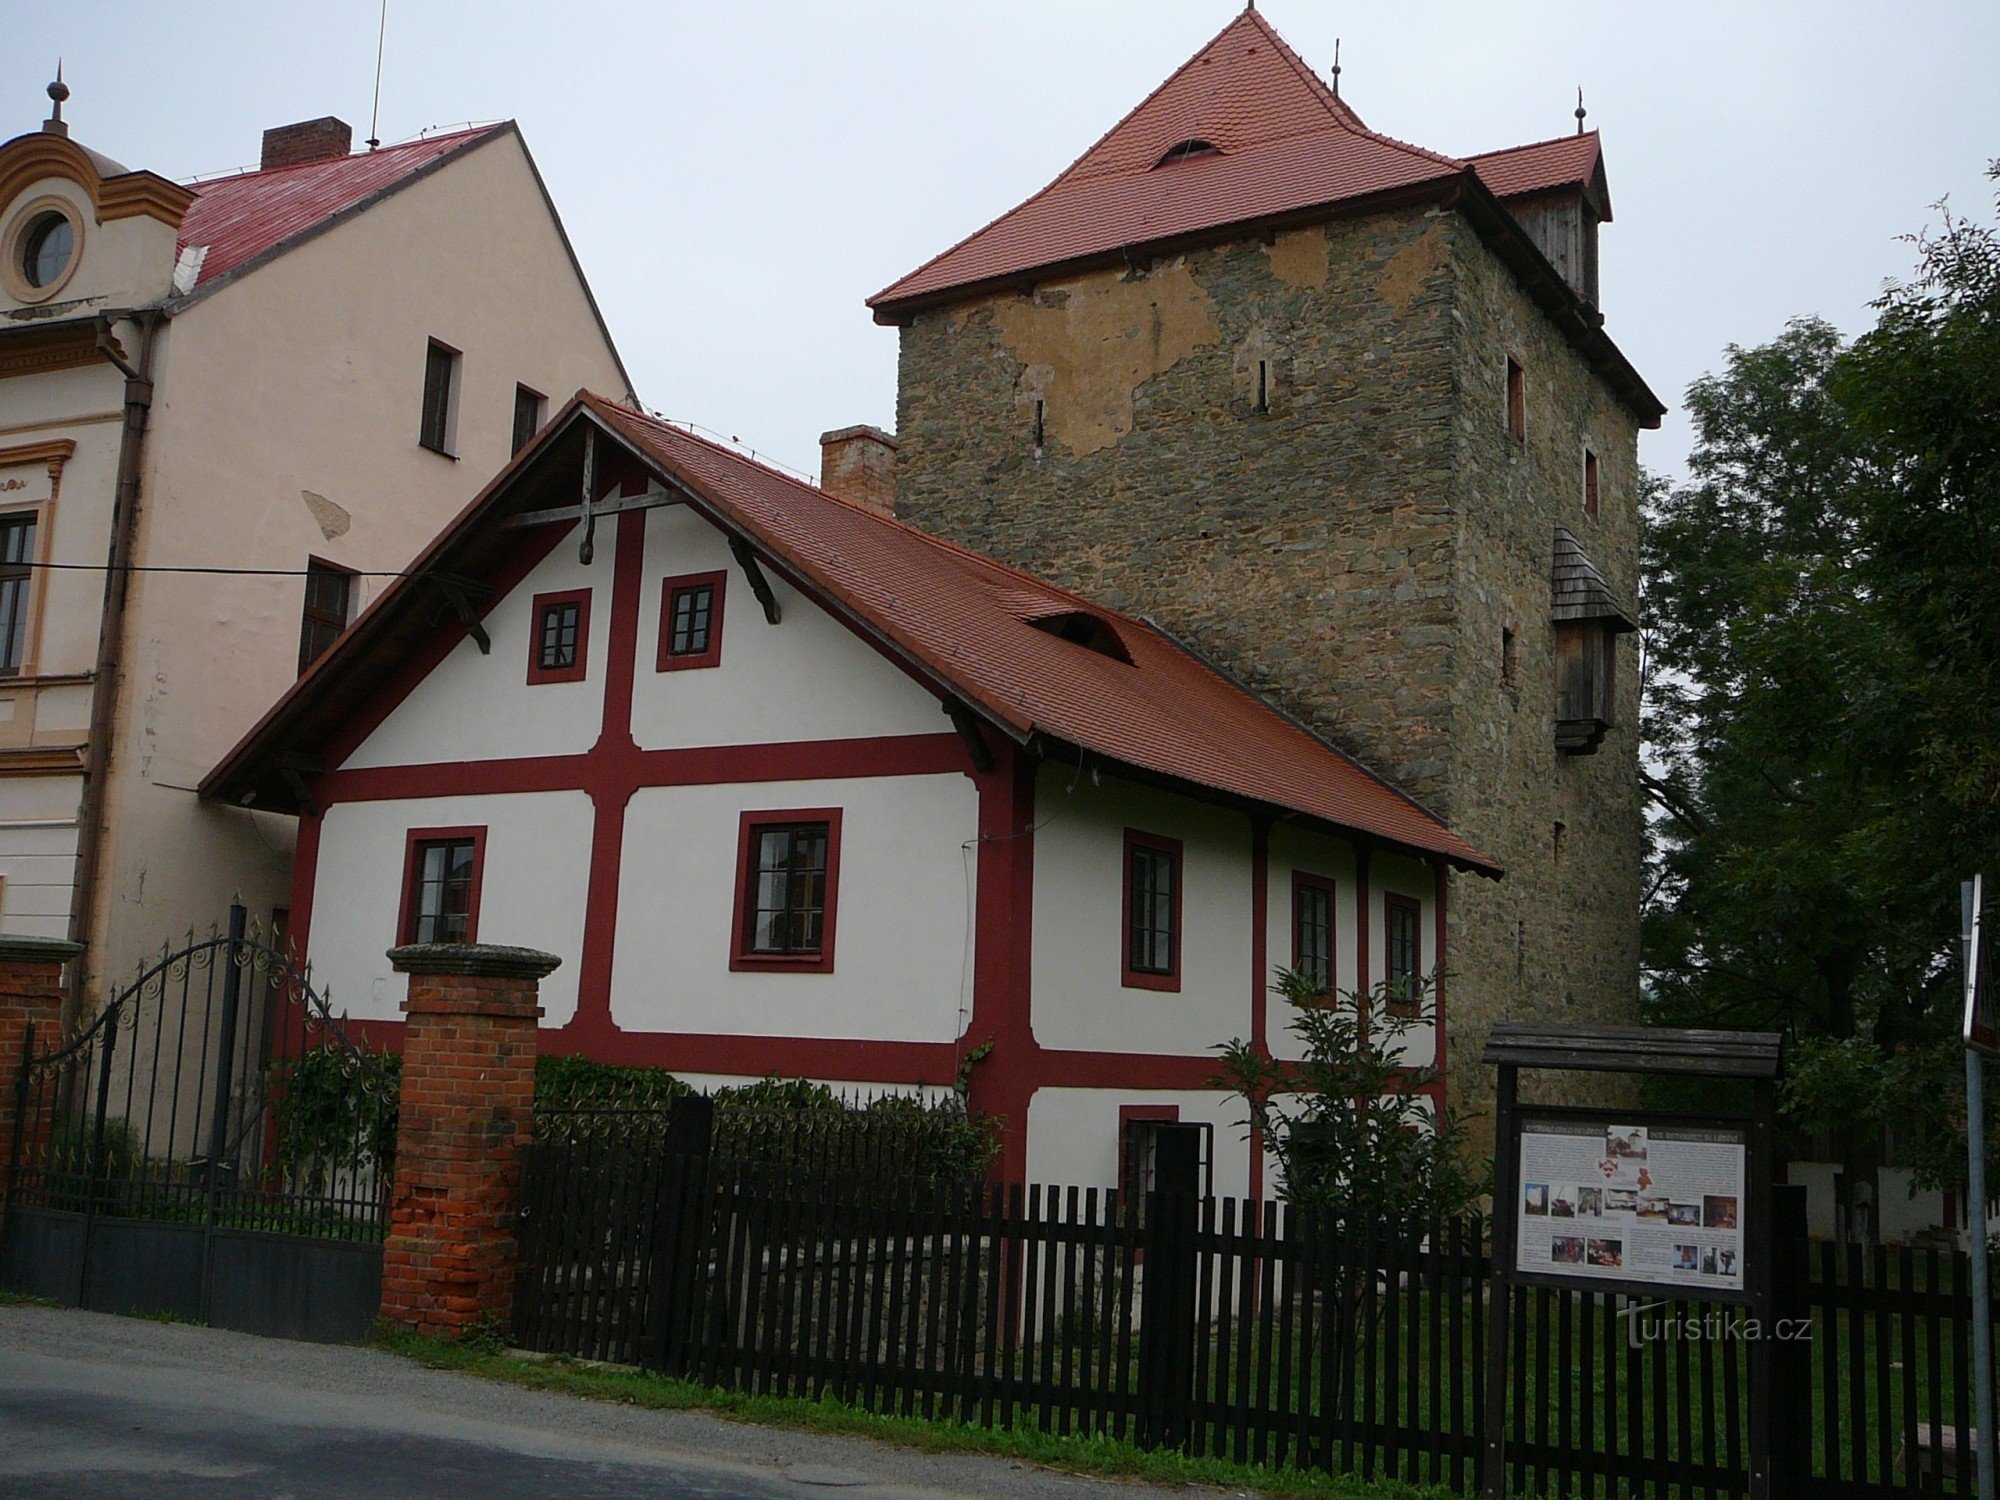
(110, 645)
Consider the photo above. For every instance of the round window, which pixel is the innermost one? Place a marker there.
(46, 249)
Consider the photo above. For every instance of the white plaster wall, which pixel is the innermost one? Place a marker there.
(902, 959)
(1316, 854)
(477, 706)
(1080, 1000)
(536, 873)
(1073, 1135)
(1412, 878)
(806, 678)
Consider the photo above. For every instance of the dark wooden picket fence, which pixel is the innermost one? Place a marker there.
(1249, 1332)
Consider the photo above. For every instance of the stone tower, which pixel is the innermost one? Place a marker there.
(1341, 412)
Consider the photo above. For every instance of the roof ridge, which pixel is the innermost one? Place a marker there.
(1342, 112)
(199, 183)
(1554, 140)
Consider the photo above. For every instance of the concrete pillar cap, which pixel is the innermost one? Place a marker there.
(20, 947)
(477, 960)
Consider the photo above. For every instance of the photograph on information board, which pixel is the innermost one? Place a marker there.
(1653, 1203)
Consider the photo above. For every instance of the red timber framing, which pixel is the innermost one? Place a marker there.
(1012, 1065)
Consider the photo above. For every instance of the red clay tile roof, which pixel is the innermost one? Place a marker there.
(239, 218)
(1282, 142)
(955, 616)
(1567, 161)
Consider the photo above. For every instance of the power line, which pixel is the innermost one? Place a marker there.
(198, 568)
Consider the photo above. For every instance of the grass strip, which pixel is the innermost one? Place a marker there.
(1098, 1456)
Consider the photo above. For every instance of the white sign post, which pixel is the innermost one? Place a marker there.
(1980, 1040)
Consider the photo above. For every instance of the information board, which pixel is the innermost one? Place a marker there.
(1611, 1199)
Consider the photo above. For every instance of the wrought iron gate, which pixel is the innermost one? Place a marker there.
(210, 1146)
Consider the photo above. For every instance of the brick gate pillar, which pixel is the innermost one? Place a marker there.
(468, 1098)
(31, 991)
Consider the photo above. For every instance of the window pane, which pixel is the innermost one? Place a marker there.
(1313, 923)
(1151, 941)
(788, 889)
(17, 550)
(527, 416)
(559, 635)
(436, 428)
(443, 897)
(692, 609)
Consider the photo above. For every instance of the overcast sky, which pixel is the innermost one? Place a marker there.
(738, 177)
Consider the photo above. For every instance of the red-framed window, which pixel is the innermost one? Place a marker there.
(559, 640)
(1152, 911)
(443, 869)
(787, 884)
(1137, 1139)
(1402, 920)
(1313, 928)
(691, 621)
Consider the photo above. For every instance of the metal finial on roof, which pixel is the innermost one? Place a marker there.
(58, 91)
(1579, 111)
(1336, 67)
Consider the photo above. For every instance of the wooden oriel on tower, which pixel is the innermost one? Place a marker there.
(1588, 621)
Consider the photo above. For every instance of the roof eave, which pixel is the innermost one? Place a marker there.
(890, 310)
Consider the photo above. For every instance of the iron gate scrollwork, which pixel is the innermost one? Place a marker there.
(211, 1144)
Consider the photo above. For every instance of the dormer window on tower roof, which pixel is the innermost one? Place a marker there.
(46, 248)
(1186, 149)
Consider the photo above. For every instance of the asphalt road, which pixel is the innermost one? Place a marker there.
(95, 1406)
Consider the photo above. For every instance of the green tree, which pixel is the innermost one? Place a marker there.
(1822, 602)
(1346, 1122)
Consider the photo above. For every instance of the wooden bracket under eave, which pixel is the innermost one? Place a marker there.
(746, 559)
(458, 593)
(967, 725)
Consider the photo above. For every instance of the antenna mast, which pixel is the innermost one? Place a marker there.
(375, 114)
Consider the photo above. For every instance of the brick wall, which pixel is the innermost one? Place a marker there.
(1352, 547)
(468, 1096)
(31, 993)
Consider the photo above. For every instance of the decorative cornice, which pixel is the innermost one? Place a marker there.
(474, 960)
(29, 159)
(143, 193)
(21, 947)
(55, 453)
(39, 351)
(40, 760)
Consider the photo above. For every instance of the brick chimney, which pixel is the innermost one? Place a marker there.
(859, 464)
(309, 140)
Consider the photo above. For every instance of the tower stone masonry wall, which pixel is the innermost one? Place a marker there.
(1353, 546)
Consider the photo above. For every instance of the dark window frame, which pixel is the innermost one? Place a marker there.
(1169, 978)
(528, 402)
(670, 589)
(1591, 483)
(19, 624)
(537, 614)
(439, 407)
(744, 957)
(1302, 882)
(1135, 1143)
(1409, 1001)
(309, 617)
(1517, 400)
(415, 842)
